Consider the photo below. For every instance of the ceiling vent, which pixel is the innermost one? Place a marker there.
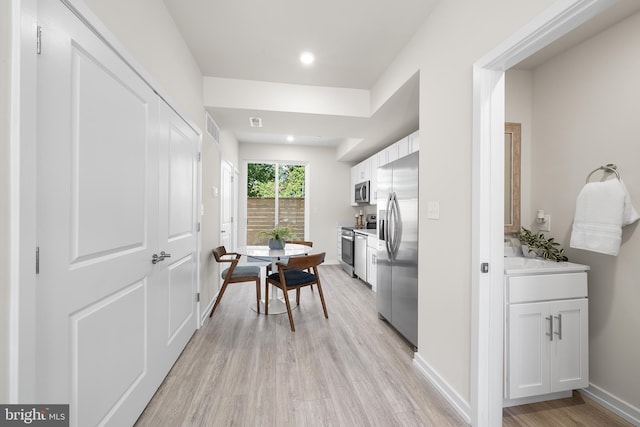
(212, 129)
(255, 122)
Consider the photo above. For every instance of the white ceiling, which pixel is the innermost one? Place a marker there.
(354, 41)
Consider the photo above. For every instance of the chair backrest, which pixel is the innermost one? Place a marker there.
(300, 242)
(304, 262)
(219, 252)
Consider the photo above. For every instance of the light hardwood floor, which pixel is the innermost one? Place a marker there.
(244, 369)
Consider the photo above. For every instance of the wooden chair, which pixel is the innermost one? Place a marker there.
(292, 275)
(235, 274)
(293, 242)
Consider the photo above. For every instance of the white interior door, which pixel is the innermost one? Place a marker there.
(227, 207)
(111, 191)
(96, 185)
(176, 275)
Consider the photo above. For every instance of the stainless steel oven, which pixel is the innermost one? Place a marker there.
(346, 258)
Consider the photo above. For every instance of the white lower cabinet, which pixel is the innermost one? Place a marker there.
(546, 337)
(548, 347)
(372, 261)
(360, 256)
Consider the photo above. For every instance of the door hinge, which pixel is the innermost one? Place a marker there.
(198, 226)
(37, 259)
(39, 40)
(199, 155)
(484, 267)
(198, 297)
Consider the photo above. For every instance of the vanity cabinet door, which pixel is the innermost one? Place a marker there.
(528, 349)
(570, 352)
(547, 347)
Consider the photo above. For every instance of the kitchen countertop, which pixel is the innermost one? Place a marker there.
(522, 265)
(371, 231)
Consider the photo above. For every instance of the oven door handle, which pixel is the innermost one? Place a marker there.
(347, 238)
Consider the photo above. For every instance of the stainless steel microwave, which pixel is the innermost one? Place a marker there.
(362, 193)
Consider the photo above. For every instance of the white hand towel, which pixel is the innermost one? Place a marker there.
(602, 209)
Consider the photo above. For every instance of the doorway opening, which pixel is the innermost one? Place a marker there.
(488, 195)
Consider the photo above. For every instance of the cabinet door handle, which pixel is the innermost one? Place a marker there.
(550, 333)
(559, 333)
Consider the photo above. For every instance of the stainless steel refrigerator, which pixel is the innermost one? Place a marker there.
(397, 287)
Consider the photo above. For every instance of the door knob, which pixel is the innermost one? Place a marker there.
(157, 258)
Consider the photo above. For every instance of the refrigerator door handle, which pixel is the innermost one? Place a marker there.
(397, 227)
(387, 222)
(397, 238)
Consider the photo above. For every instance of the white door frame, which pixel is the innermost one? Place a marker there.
(488, 195)
(234, 201)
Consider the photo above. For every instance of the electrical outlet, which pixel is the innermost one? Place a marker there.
(546, 225)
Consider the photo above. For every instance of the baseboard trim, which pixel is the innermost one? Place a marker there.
(612, 403)
(459, 404)
(205, 313)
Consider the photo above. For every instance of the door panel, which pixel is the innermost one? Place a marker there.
(96, 332)
(571, 351)
(96, 184)
(176, 276)
(528, 350)
(100, 226)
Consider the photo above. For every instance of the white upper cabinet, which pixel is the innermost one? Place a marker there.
(414, 142)
(392, 153)
(367, 170)
(359, 173)
(403, 147)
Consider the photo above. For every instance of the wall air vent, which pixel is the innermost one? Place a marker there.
(212, 128)
(255, 122)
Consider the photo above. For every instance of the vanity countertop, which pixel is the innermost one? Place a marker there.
(522, 265)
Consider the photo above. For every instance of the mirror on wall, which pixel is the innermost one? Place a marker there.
(512, 178)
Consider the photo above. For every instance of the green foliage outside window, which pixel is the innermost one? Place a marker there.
(261, 180)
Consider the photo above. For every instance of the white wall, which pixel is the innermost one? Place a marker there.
(5, 201)
(147, 31)
(586, 113)
(212, 155)
(454, 36)
(518, 110)
(329, 189)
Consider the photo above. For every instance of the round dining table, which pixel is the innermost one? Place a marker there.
(262, 253)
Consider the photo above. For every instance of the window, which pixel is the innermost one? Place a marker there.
(272, 201)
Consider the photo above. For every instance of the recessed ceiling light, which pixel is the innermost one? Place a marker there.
(307, 58)
(290, 138)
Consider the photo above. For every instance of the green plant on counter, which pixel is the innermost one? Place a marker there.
(545, 248)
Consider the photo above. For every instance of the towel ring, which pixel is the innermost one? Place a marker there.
(610, 168)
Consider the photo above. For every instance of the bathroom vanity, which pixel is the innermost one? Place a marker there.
(546, 335)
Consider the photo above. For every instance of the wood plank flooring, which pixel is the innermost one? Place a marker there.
(245, 369)
(577, 410)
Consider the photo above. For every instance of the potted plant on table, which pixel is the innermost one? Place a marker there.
(538, 245)
(277, 236)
